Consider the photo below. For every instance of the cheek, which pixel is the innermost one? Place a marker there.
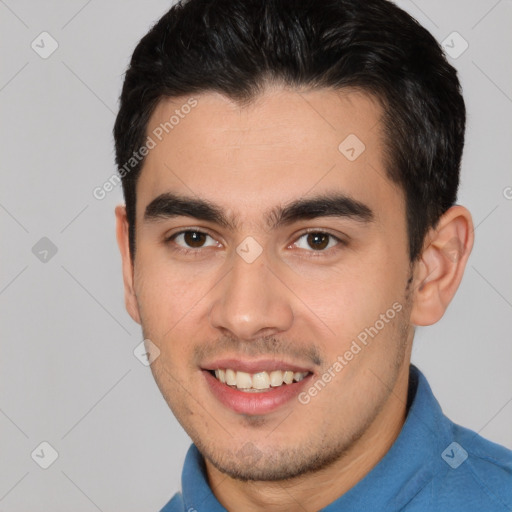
(167, 292)
(348, 298)
(173, 305)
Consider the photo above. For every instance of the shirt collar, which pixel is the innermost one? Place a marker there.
(409, 465)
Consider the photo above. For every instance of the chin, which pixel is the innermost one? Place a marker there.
(250, 463)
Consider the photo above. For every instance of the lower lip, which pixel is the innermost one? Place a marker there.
(254, 403)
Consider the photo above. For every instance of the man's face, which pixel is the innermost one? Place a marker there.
(302, 294)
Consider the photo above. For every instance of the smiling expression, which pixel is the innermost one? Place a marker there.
(263, 250)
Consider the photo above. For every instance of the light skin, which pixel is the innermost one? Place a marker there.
(295, 302)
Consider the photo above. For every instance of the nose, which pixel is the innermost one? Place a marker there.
(251, 301)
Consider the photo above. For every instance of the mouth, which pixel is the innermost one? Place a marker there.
(255, 388)
(259, 382)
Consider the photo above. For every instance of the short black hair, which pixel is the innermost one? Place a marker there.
(238, 47)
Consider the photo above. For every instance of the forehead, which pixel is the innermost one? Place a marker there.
(284, 145)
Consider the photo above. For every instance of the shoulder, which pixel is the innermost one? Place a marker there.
(175, 504)
(489, 463)
(462, 470)
(478, 473)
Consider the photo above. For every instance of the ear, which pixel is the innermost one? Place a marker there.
(439, 270)
(130, 299)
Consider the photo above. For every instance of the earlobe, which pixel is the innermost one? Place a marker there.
(440, 268)
(127, 265)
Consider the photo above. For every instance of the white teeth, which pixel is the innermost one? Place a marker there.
(288, 377)
(258, 381)
(261, 380)
(276, 378)
(298, 376)
(243, 380)
(230, 377)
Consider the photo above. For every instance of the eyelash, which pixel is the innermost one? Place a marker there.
(314, 254)
(182, 250)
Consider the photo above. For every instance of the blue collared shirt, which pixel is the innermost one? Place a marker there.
(433, 465)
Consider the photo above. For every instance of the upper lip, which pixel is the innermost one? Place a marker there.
(251, 366)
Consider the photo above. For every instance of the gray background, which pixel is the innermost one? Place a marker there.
(68, 373)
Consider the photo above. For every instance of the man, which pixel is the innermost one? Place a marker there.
(290, 171)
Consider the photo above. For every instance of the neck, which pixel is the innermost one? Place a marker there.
(312, 492)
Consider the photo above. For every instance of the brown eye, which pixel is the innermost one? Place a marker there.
(317, 241)
(191, 239)
(194, 238)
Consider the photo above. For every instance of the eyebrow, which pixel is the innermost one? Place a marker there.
(169, 205)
